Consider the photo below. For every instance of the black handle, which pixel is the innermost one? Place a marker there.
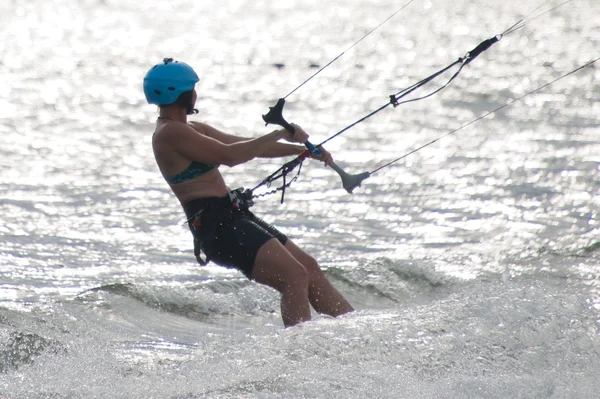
(275, 116)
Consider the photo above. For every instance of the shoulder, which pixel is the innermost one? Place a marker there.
(214, 133)
(173, 131)
(204, 128)
(198, 126)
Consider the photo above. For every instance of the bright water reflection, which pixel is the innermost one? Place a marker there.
(474, 262)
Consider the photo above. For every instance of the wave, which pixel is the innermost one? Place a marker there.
(577, 250)
(226, 297)
(380, 283)
(23, 347)
(383, 282)
(592, 248)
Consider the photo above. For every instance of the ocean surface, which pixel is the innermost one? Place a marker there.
(473, 264)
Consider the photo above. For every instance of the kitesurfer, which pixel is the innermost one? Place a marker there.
(225, 231)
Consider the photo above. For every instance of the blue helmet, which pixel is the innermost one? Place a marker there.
(165, 82)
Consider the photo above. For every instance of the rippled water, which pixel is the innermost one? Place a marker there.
(473, 263)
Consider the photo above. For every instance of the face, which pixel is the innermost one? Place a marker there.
(191, 110)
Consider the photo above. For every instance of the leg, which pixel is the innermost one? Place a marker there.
(322, 295)
(276, 267)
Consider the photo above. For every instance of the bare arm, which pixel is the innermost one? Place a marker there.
(276, 150)
(272, 150)
(216, 134)
(204, 148)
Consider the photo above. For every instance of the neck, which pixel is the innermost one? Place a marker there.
(160, 118)
(173, 114)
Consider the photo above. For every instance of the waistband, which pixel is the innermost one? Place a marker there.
(236, 199)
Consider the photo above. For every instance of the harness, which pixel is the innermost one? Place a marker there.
(207, 214)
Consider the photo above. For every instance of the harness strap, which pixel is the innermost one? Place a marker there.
(205, 215)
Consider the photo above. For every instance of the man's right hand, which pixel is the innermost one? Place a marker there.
(299, 136)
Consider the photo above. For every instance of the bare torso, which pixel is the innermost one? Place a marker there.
(178, 144)
(170, 162)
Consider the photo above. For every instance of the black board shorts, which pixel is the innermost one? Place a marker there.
(227, 233)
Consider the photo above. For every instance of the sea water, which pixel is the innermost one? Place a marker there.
(473, 264)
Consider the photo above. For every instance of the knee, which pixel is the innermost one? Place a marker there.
(311, 265)
(297, 276)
